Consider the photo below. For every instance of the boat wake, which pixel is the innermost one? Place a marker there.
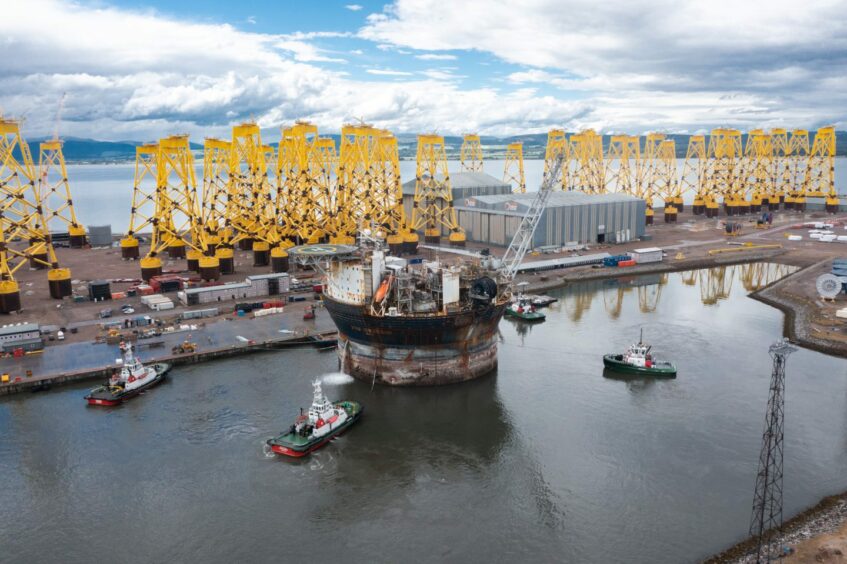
(337, 379)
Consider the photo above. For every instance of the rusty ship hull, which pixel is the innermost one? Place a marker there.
(416, 350)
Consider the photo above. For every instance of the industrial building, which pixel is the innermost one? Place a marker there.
(25, 336)
(490, 213)
(570, 218)
(253, 287)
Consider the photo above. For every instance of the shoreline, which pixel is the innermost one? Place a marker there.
(49, 380)
(826, 516)
(797, 310)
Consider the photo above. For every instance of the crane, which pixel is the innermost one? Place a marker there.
(522, 241)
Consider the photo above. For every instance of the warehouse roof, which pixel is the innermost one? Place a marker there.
(461, 180)
(19, 328)
(217, 287)
(268, 276)
(556, 198)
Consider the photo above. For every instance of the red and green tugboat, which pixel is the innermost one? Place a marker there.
(132, 379)
(638, 360)
(522, 308)
(324, 422)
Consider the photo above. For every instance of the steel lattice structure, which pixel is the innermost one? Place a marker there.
(470, 154)
(55, 192)
(766, 518)
(799, 154)
(586, 169)
(819, 180)
(22, 219)
(513, 172)
(557, 144)
(693, 177)
(622, 158)
(433, 206)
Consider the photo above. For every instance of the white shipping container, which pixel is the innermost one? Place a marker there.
(648, 255)
(147, 300)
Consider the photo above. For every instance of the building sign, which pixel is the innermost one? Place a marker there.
(470, 202)
(511, 206)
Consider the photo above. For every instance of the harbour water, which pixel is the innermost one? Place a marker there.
(546, 460)
(103, 192)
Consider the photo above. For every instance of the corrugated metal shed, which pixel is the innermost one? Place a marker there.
(570, 217)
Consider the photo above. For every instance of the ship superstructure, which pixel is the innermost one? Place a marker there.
(414, 321)
(405, 323)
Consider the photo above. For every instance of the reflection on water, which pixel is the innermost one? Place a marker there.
(715, 284)
(544, 461)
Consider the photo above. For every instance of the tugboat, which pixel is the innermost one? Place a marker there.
(638, 360)
(523, 309)
(324, 422)
(543, 301)
(132, 379)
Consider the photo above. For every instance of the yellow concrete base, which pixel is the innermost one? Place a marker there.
(151, 262)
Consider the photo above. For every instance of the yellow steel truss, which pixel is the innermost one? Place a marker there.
(55, 192)
(513, 172)
(557, 144)
(470, 155)
(819, 180)
(433, 206)
(24, 237)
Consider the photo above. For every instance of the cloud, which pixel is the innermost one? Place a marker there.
(440, 74)
(687, 53)
(305, 52)
(357, 52)
(353, 7)
(125, 82)
(435, 57)
(388, 72)
(251, 19)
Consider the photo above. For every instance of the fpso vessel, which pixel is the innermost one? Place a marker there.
(409, 324)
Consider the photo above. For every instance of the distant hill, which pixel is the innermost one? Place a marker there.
(89, 150)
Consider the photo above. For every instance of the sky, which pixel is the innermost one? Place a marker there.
(134, 70)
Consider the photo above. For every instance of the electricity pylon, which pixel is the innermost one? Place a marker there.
(513, 173)
(22, 219)
(766, 518)
(433, 209)
(470, 155)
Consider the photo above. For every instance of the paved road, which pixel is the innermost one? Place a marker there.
(74, 357)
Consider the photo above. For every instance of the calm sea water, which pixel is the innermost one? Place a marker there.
(548, 460)
(103, 193)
